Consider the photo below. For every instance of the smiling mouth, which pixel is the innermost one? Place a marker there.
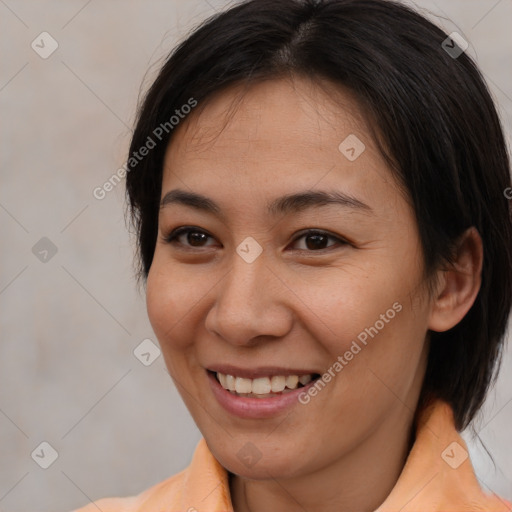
(263, 387)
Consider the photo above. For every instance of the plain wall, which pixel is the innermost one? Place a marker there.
(69, 325)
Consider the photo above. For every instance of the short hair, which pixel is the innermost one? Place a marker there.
(431, 116)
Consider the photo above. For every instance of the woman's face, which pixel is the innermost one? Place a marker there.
(249, 293)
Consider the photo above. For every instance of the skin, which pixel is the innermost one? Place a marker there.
(297, 306)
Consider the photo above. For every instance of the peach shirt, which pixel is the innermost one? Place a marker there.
(437, 477)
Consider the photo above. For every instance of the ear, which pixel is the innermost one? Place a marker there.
(458, 285)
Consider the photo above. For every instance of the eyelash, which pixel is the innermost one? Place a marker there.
(172, 237)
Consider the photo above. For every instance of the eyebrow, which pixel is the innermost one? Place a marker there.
(290, 203)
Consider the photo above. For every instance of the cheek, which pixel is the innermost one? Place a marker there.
(368, 314)
(171, 298)
(383, 349)
(349, 300)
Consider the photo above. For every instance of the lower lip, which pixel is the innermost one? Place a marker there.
(255, 408)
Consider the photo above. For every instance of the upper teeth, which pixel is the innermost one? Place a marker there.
(262, 385)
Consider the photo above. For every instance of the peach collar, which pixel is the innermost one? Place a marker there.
(437, 477)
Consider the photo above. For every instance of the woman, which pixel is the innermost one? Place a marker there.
(318, 189)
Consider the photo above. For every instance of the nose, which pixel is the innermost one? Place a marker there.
(250, 304)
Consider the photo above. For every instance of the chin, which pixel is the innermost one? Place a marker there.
(257, 460)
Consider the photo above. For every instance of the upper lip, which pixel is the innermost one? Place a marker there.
(260, 371)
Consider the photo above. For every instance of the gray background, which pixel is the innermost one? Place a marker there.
(69, 326)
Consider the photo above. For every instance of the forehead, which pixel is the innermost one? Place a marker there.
(268, 114)
(275, 136)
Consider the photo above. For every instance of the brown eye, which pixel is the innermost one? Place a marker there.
(188, 237)
(196, 238)
(317, 241)
(314, 240)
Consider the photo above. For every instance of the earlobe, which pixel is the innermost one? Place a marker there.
(459, 283)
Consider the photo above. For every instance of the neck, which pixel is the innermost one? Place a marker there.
(359, 481)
